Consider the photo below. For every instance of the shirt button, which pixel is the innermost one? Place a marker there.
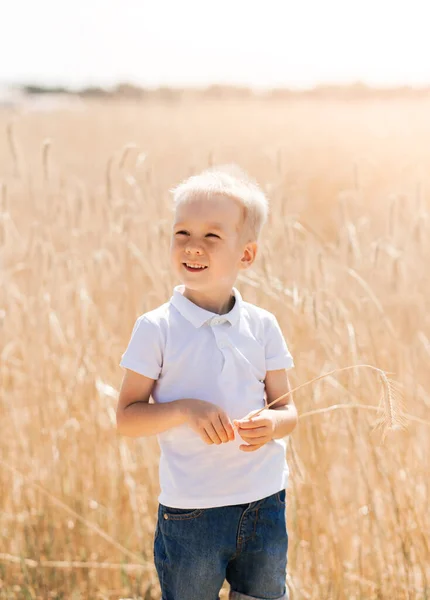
(218, 321)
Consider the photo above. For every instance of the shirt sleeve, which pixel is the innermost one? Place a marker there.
(277, 354)
(144, 353)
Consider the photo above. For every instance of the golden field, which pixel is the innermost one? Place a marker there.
(343, 264)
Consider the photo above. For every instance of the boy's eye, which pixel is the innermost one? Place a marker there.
(183, 232)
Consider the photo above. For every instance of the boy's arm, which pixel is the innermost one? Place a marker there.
(285, 416)
(135, 416)
(279, 420)
(272, 423)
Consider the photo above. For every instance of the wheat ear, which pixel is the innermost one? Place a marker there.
(392, 417)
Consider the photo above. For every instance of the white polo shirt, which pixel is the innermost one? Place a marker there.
(223, 359)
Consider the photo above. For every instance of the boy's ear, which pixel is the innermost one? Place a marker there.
(249, 254)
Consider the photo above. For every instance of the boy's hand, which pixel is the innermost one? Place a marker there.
(211, 423)
(256, 432)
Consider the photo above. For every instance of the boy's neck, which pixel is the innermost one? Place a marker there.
(220, 301)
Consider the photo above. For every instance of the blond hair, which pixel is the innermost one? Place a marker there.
(234, 183)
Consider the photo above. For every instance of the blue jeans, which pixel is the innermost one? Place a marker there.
(196, 549)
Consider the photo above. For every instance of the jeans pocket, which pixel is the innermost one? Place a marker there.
(179, 514)
(281, 497)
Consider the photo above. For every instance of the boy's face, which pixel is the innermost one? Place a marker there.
(208, 233)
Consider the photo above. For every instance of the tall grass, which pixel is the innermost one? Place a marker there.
(84, 230)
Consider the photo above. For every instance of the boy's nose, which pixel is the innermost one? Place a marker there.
(193, 249)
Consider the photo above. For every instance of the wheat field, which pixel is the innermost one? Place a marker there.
(343, 263)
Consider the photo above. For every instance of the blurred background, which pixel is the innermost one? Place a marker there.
(275, 44)
(104, 107)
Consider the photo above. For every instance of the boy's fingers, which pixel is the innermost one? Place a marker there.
(228, 427)
(250, 448)
(254, 441)
(212, 433)
(221, 430)
(247, 424)
(206, 438)
(252, 433)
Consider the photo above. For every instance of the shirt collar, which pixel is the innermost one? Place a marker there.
(199, 316)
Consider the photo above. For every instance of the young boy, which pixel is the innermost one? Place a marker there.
(208, 358)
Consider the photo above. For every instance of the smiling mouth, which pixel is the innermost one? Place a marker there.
(194, 268)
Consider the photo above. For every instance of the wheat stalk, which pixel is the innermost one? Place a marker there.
(13, 148)
(73, 564)
(392, 418)
(108, 178)
(334, 407)
(391, 405)
(128, 148)
(46, 152)
(3, 198)
(72, 512)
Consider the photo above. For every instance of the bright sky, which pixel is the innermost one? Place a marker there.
(296, 43)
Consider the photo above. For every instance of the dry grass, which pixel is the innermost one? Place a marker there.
(84, 229)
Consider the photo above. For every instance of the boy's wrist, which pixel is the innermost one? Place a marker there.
(284, 419)
(183, 409)
(272, 416)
